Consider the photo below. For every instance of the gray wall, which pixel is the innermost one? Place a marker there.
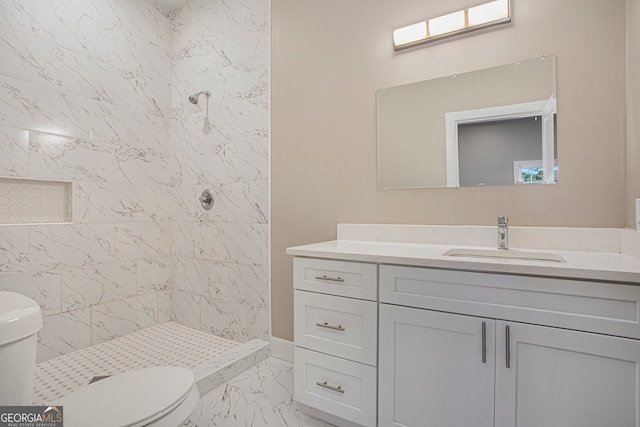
(486, 151)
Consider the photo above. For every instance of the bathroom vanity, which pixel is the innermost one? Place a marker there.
(400, 334)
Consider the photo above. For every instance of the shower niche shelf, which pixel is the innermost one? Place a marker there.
(32, 201)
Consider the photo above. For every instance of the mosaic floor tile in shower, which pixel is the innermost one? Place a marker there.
(161, 345)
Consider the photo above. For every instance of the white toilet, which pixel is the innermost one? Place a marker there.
(20, 321)
(155, 397)
(159, 397)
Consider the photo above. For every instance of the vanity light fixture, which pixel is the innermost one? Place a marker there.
(464, 21)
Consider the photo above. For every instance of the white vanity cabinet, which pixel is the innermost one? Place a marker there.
(454, 350)
(336, 337)
(436, 369)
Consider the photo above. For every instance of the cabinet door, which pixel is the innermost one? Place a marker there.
(431, 369)
(562, 378)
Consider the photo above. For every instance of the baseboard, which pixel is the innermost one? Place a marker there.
(282, 349)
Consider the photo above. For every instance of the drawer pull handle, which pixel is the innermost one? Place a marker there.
(330, 279)
(326, 325)
(330, 387)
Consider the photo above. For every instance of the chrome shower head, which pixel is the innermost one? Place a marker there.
(194, 98)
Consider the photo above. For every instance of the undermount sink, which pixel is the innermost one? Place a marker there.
(504, 254)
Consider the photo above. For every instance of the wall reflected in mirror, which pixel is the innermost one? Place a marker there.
(489, 127)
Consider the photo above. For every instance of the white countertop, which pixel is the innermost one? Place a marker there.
(602, 266)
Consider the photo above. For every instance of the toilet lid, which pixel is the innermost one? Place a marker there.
(134, 398)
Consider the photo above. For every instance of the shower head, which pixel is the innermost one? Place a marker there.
(194, 98)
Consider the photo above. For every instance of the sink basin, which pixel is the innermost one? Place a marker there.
(504, 254)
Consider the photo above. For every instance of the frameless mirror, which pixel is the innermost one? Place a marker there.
(489, 127)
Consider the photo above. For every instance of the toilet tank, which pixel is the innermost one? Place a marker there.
(20, 321)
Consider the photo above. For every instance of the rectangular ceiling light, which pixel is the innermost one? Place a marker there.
(453, 24)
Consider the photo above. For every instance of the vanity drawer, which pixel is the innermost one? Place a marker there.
(340, 387)
(342, 327)
(601, 307)
(348, 279)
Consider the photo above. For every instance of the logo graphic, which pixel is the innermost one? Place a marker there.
(31, 416)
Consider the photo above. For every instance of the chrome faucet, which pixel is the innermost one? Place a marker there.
(503, 232)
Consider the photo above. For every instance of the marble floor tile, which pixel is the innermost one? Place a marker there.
(259, 397)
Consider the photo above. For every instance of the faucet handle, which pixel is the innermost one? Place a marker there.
(503, 220)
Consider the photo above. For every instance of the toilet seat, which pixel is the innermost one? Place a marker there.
(158, 396)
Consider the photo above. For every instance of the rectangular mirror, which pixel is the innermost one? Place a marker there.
(483, 128)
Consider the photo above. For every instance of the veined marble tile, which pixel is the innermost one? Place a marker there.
(182, 204)
(197, 19)
(122, 203)
(228, 82)
(247, 118)
(138, 17)
(164, 306)
(193, 131)
(63, 333)
(154, 274)
(86, 286)
(197, 240)
(81, 26)
(257, 10)
(191, 74)
(29, 59)
(185, 309)
(16, 14)
(220, 369)
(249, 285)
(85, 76)
(14, 145)
(259, 396)
(124, 126)
(245, 243)
(259, 324)
(114, 124)
(240, 203)
(225, 319)
(144, 39)
(240, 44)
(201, 277)
(154, 95)
(14, 249)
(28, 106)
(233, 162)
(115, 319)
(141, 240)
(246, 80)
(43, 288)
(144, 167)
(59, 246)
(58, 157)
(81, 203)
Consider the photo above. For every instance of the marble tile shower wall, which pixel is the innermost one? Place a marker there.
(85, 96)
(220, 277)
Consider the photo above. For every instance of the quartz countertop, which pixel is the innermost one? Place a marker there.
(601, 266)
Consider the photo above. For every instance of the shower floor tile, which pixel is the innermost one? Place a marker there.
(161, 345)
